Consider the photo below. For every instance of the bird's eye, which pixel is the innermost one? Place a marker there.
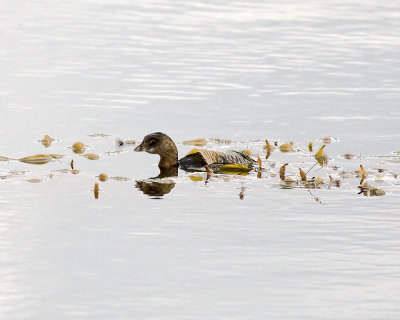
(152, 143)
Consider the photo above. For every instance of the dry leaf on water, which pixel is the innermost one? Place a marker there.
(195, 142)
(40, 158)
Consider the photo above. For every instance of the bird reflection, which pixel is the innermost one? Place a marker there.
(155, 188)
(160, 185)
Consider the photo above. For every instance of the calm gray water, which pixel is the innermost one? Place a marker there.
(245, 71)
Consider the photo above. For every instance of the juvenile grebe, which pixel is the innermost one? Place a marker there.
(159, 143)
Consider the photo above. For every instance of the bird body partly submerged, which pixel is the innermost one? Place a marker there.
(159, 143)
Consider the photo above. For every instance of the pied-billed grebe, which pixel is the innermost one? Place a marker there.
(159, 143)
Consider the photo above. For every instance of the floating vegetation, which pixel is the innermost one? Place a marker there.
(233, 169)
(286, 147)
(321, 157)
(241, 194)
(103, 177)
(196, 178)
(72, 164)
(327, 140)
(4, 158)
(96, 190)
(34, 180)
(247, 152)
(118, 178)
(310, 147)
(47, 141)
(364, 173)
(303, 175)
(269, 148)
(221, 141)
(91, 156)
(349, 156)
(121, 143)
(78, 147)
(195, 142)
(40, 158)
(102, 135)
(282, 171)
(368, 190)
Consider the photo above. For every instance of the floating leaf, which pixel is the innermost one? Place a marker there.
(34, 180)
(286, 147)
(47, 141)
(318, 180)
(321, 157)
(348, 156)
(4, 158)
(364, 174)
(91, 156)
(268, 146)
(196, 178)
(96, 190)
(103, 177)
(377, 192)
(282, 171)
(327, 140)
(195, 142)
(259, 162)
(234, 168)
(40, 158)
(303, 175)
(78, 147)
(246, 152)
(72, 164)
(310, 147)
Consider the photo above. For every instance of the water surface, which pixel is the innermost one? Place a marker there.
(245, 71)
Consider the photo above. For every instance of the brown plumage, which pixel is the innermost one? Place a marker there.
(159, 143)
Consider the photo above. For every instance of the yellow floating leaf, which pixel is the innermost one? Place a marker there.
(72, 164)
(103, 177)
(74, 171)
(303, 175)
(96, 190)
(259, 162)
(268, 146)
(246, 152)
(4, 158)
(195, 142)
(319, 152)
(282, 171)
(363, 172)
(46, 141)
(286, 147)
(91, 156)
(321, 157)
(78, 147)
(40, 158)
(234, 168)
(196, 178)
(310, 147)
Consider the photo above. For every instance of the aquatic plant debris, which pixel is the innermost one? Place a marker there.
(195, 142)
(47, 141)
(78, 147)
(321, 157)
(286, 147)
(91, 156)
(40, 158)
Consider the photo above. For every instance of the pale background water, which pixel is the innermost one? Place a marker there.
(243, 70)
